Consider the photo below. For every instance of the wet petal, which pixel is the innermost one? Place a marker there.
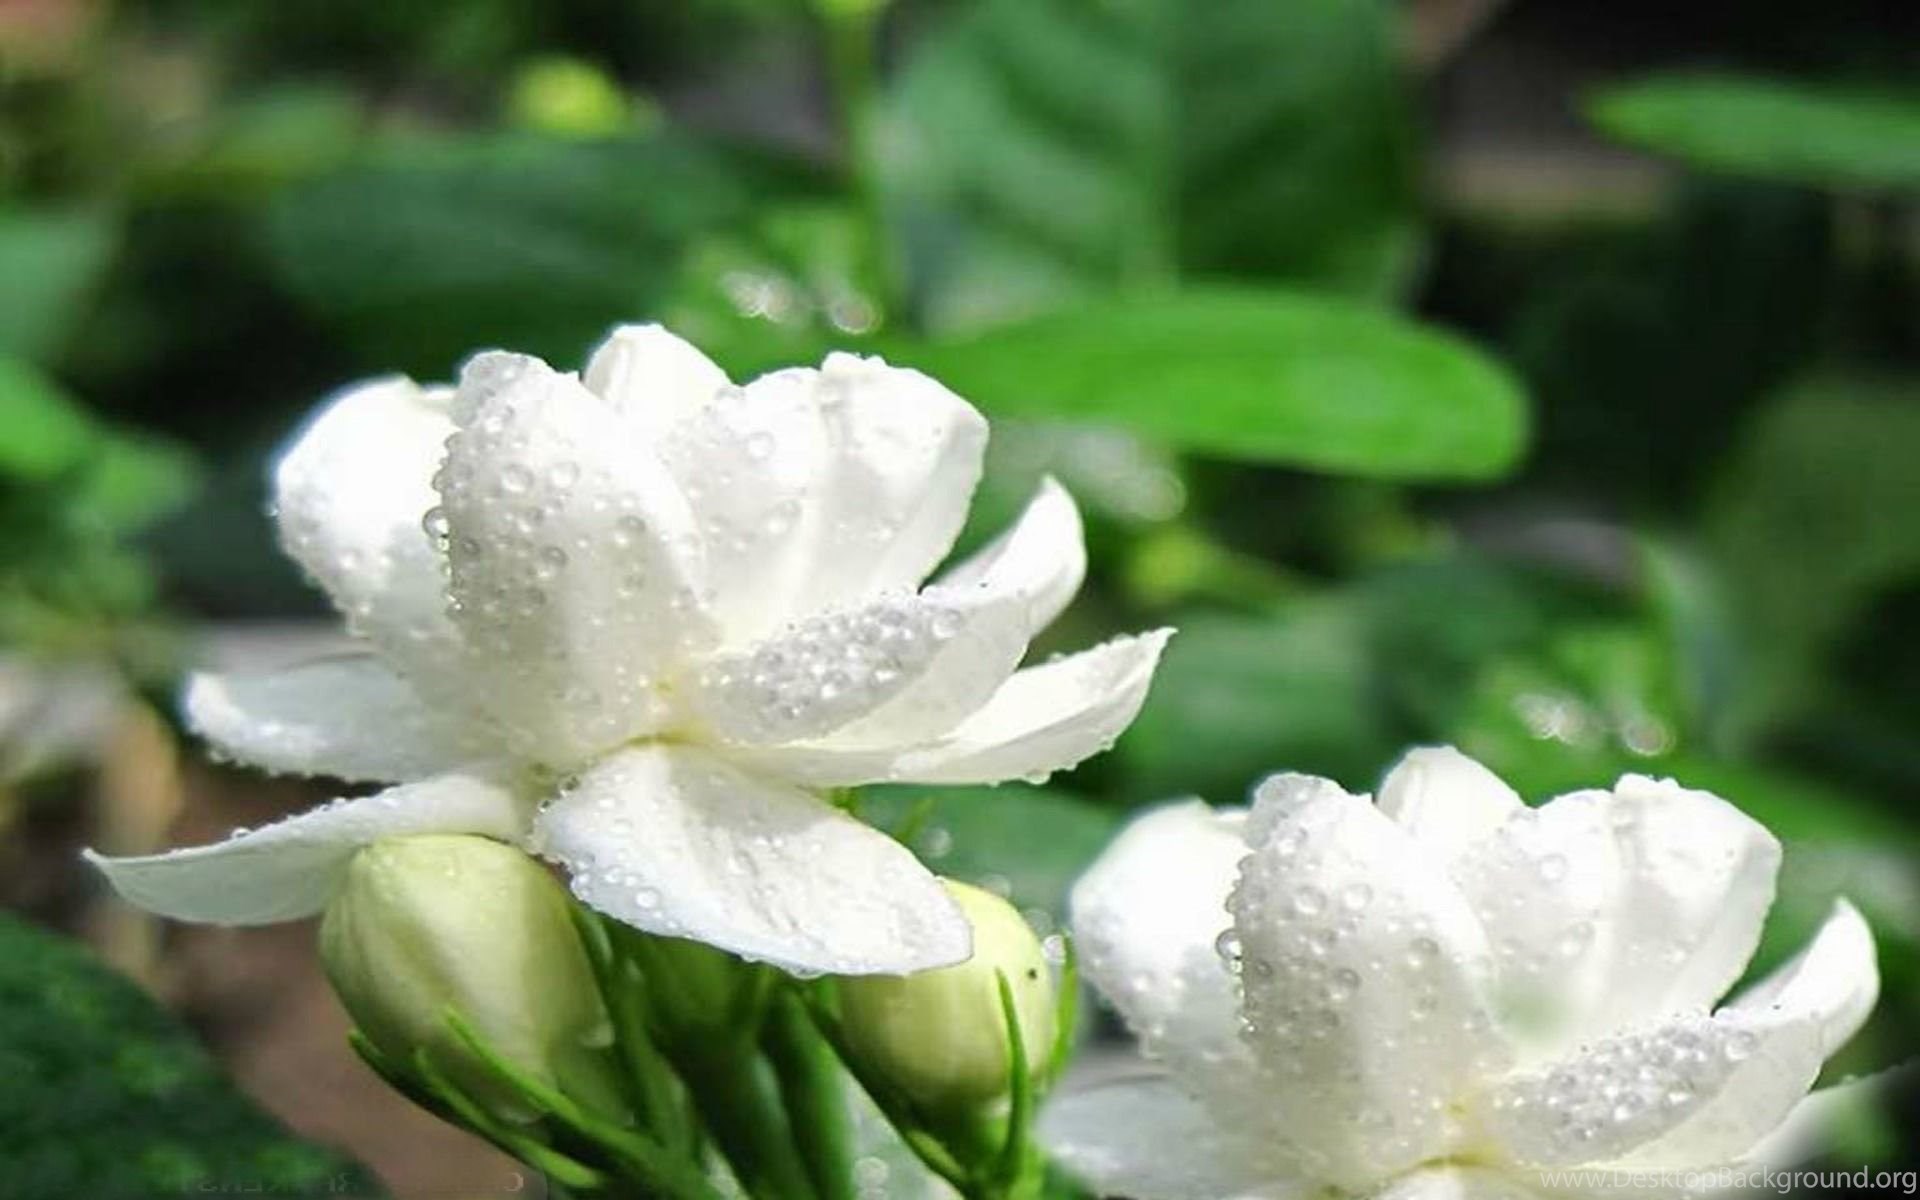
(1698, 1090)
(1365, 977)
(350, 494)
(1697, 880)
(348, 717)
(1446, 800)
(575, 563)
(292, 868)
(677, 842)
(1148, 919)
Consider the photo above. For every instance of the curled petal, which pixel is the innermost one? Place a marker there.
(1365, 977)
(1697, 880)
(678, 842)
(1147, 917)
(1697, 1090)
(1446, 800)
(996, 601)
(749, 459)
(574, 562)
(350, 494)
(292, 868)
(1044, 719)
(904, 455)
(348, 717)
(653, 377)
(1548, 886)
(1045, 548)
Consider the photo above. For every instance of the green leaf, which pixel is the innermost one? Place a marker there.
(42, 432)
(108, 1097)
(134, 479)
(434, 249)
(1264, 376)
(1810, 518)
(1812, 133)
(1038, 150)
(1236, 698)
(1027, 843)
(48, 263)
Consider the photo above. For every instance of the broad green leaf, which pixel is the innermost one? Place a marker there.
(1037, 150)
(1237, 698)
(48, 263)
(132, 480)
(286, 133)
(433, 250)
(1264, 376)
(1812, 515)
(1026, 843)
(110, 1098)
(1819, 134)
(42, 432)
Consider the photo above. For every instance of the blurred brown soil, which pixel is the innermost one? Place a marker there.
(257, 996)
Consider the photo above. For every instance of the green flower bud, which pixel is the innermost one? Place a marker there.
(431, 923)
(941, 1036)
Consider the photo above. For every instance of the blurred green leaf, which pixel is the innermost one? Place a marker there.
(133, 480)
(108, 1097)
(1275, 377)
(1024, 842)
(254, 144)
(48, 263)
(42, 433)
(434, 249)
(1237, 698)
(1812, 133)
(1037, 150)
(1812, 514)
(781, 288)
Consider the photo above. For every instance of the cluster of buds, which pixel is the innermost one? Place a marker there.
(598, 1053)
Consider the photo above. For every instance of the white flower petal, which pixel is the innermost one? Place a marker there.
(1146, 1139)
(1699, 878)
(1043, 719)
(350, 493)
(997, 600)
(1364, 973)
(348, 717)
(751, 460)
(1698, 1090)
(1446, 800)
(1046, 546)
(291, 869)
(904, 455)
(574, 562)
(1146, 919)
(829, 670)
(675, 841)
(1546, 886)
(654, 377)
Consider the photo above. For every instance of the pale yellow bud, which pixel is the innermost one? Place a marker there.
(424, 924)
(941, 1036)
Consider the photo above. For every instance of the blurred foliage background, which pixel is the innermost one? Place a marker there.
(1540, 377)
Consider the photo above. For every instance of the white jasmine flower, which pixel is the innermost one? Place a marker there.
(1447, 994)
(637, 621)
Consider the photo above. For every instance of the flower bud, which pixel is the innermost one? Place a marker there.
(431, 923)
(940, 1036)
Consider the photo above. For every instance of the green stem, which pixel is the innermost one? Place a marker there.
(813, 1086)
(738, 1097)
